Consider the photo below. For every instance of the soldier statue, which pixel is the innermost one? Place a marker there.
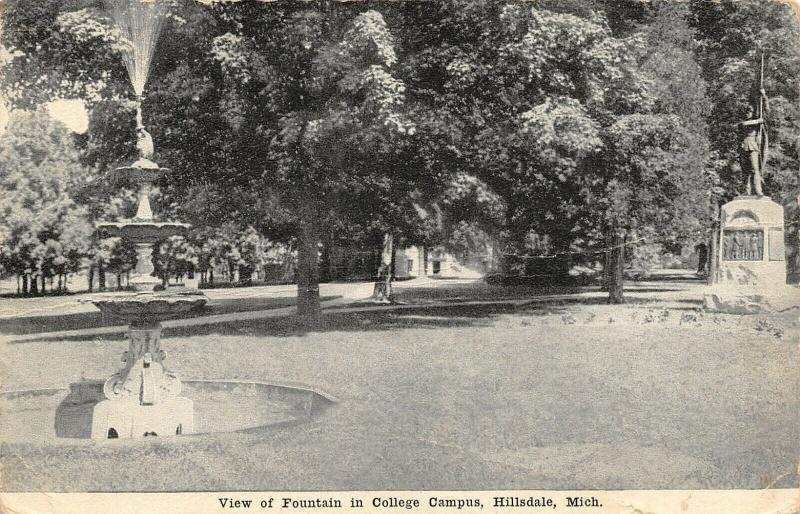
(753, 149)
(754, 141)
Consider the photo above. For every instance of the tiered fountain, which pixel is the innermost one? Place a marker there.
(143, 397)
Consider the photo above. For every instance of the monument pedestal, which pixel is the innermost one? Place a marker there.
(751, 261)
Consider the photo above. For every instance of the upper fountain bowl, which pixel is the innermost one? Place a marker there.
(143, 171)
(145, 164)
(143, 228)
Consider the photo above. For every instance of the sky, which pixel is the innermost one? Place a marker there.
(71, 113)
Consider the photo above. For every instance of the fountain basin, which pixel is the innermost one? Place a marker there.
(43, 417)
(150, 306)
(141, 231)
(141, 172)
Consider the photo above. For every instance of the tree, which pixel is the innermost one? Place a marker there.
(341, 137)
(122, 259)
(540, 103)
(658, 179)
(175, 257)
(44, 233)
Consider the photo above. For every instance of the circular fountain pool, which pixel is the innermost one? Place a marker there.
(64, 416)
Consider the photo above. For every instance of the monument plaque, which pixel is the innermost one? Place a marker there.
(742, 245)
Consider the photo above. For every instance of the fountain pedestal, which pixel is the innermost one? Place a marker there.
(142, 399)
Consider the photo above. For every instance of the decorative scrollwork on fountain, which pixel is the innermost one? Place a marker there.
(143, 379)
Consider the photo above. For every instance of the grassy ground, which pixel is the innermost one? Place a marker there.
(527, 391)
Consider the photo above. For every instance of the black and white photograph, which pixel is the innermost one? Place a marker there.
(399, 245)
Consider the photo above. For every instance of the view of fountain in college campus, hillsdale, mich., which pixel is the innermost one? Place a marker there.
(144, 398)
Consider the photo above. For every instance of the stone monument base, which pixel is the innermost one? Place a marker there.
(738, 300)
(751, 260)
(127, 420)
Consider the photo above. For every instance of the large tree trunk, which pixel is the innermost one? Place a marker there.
(308, 274)
(713, 257)
(326, 269)
(616, 267)
(34, 285)
(90, 278)
(382, 292)
(18, 289)
(713, 254)
(606, 283)
(101, 278)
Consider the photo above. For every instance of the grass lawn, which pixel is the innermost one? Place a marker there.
(553, 393)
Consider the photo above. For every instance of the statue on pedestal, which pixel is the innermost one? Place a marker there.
(750, 269)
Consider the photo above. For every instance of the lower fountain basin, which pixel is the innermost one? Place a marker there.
(64, 416)
(154, 306)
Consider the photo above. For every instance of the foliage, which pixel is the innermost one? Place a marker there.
(175, 257)
(43, 232)
(540, 127)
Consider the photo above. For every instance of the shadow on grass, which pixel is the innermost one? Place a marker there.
(39, 324)
(453, 314)
(390, 318)
(402, 317)
(674, 278)
(477, 291)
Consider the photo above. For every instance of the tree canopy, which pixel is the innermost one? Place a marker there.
(547, 128)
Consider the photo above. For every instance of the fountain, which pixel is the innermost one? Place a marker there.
(143, 397)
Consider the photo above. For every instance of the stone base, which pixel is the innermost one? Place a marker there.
(133, 421)
(743, 300)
